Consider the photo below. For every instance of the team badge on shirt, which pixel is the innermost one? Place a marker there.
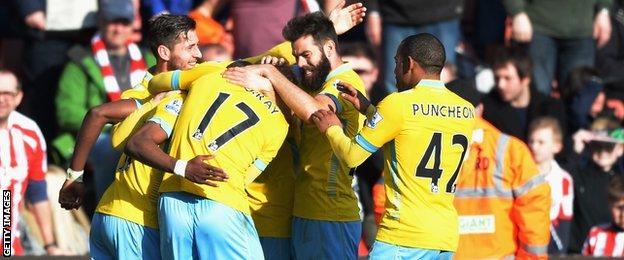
(174, 106)
(374, 120)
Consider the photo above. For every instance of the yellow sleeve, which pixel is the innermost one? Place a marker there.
(167, 111)
(270, 149)
(139, 92)
(282, 50)
(347, 150)
(124, 129)
(182, 79)
(383, 126)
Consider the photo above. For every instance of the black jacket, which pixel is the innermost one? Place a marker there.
(610, 59)
(504, 117)
(590, 201)
(416, 12)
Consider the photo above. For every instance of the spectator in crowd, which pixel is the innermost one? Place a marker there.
(604, 143)
(501, 198)
(156, 7)
(546, 140)
(51, 27)
(513, 104)
(362, 59)
(97, 74)
(391, 21)
(559, 34)
(257, 24)
(610, 58)
(23, 166)
(584, 98)
(214, 52)
(606, 240)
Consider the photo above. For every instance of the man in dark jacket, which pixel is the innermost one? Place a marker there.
(402, 18)
(513, 104)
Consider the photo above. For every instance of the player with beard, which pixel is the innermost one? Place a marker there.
(326, 223)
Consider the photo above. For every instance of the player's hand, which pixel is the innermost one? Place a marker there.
(200, 172)
(345, 18)
(325, 119)
(602, 28)
(36, 20)
(158, 97)
(521, 28)
(248, 78)
(272, 60)
(354, 96)
(72, 194)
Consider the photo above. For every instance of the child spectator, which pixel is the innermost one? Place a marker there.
(605, 147)
(546, 140)
(607, 240)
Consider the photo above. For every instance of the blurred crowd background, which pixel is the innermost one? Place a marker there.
(525, 59)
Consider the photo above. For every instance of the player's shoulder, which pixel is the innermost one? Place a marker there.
(344, 73)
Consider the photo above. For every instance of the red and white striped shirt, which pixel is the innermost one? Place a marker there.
(22, 159)
(562, 193)
(604, 240)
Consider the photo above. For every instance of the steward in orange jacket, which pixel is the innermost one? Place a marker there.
(502, 201)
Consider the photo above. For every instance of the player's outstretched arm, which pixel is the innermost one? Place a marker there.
(300, 102)
(143, 146)
(345, 18)
(72, 192)
(181, 79)
(344, 147)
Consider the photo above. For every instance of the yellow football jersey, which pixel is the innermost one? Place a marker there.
(139, 92)
(240, 128)
(271, 194)
(133, 195)
(323, 189)
(425, 132)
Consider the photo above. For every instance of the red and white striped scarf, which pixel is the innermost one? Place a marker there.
(137, 66)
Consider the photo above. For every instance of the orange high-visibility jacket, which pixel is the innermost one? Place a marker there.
(502, 201)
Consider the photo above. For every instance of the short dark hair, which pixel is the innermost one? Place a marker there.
(164, 30)
(426, 50)
(518, 57)
(615, 190)
(358, 49)
(314, 24)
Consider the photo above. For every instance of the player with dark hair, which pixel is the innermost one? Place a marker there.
(326, 223)
(425, 130)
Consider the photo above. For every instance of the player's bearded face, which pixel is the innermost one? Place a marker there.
(314, 75)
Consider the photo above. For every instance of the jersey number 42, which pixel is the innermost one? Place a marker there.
(435, 149)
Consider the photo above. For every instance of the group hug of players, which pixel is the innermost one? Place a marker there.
(251, 159)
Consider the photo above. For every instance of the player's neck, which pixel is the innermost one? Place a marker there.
(335, 62)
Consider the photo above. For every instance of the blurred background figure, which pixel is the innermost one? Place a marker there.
(561, 35)
(214, 52)
(604, 145)
(391, 21)
(545, 141)
(95, 74)
(23, 166)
